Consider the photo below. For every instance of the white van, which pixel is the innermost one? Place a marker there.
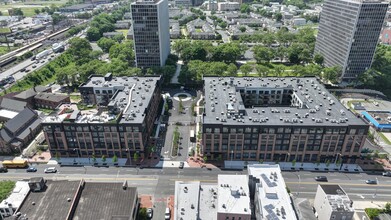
(167, 215)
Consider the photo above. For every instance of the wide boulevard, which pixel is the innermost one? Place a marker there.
(161, 182)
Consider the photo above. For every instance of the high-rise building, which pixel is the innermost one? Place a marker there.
(151, 32)
(348, 33)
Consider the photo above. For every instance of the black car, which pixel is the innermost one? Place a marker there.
(321, 178)
(3, 170)
(181, 165)
(31, 169)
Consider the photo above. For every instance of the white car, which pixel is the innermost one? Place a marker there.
(167, 214)
(50, 170)
(388, 173)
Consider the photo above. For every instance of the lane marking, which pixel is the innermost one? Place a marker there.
(343, 184)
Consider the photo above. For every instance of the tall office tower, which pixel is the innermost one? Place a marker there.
(348, 33)
(151, 32)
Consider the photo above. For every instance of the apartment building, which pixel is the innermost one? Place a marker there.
(118, 121)
(278, 119)
(151, 32)
(348, 34)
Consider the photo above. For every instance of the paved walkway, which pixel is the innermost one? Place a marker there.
(174, 79)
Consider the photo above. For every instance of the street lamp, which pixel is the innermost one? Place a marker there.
(78, 153)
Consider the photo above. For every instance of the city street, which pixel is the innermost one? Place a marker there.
(300, 183)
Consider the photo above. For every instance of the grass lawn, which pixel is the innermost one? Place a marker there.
(124, 32)
(6, 188)
(4, 50)
(5, 30)
(75, 98)
(384, 138)
(28, 8)
(199, 30)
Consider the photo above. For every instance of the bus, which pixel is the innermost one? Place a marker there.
(15, 163)
(192, 136)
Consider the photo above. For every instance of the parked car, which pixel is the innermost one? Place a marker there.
(3, 170)
(181, 165)
(23, 69)
(149, 213)
(31, 169)
(34, 66)
(51, 170)
(371, 182)
(388, 173)
(321, 178)
(167, 214)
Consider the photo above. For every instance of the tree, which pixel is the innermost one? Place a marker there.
(327, 163)
(93, 34)
(278, 16)
(205, 159)
(93, 158)
(246, 69)
(115, 159)
(293, 163)
(58, 156)
(80, 49)
(123, 51)
(17, 12)
(119, 38)
(103, 158)
(262, 54)
(142, 214)
(56, 18)
(387, 207)
(245, 8)
(37, 11)
(262, 71)
(368, 78)
(318, 59)
(332, 74)
(135, 156)
(279, 71)
(242, 29)
(232, 70)
(105, 44)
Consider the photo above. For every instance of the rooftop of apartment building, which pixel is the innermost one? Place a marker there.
(273, 199)
(309, 102)
(233, 195)
(17, 196)
(128, 104)
(338, 199)
(194, 200)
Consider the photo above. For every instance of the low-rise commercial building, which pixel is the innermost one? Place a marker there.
(121, 125)
(332, 202)
(9, 205)
(268, 191)
(278, 119)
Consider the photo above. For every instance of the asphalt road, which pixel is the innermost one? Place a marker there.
(160, 183)
(301, 183)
